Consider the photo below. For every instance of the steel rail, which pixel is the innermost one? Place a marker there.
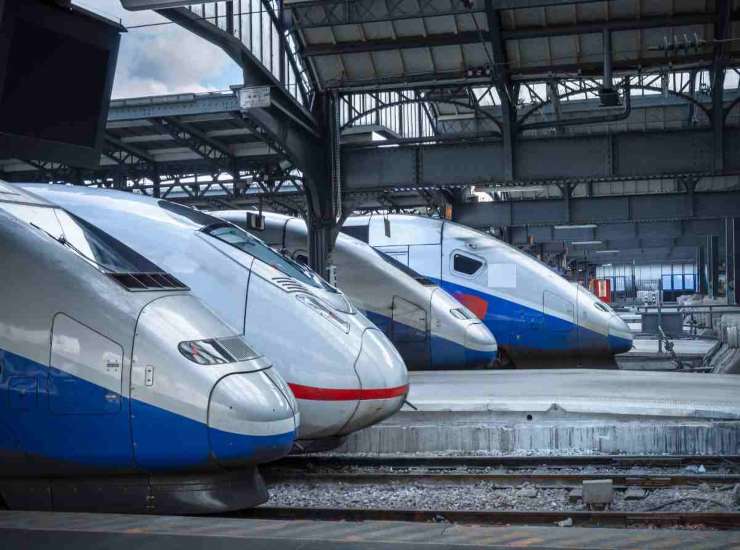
(716, 520)
(569, 480)
(461, 461)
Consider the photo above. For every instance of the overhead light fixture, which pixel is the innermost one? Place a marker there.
(586, 242)
(607, 251)
(582, 226)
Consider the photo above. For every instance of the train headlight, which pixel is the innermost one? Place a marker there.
(217, 351)
(461, 313)
(315, 304)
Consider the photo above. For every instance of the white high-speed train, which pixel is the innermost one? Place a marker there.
(344, 372)
(429, 328)
(119, 390)
(538, 318)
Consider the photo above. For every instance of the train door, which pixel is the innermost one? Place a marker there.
(560, 320)
(410, 332)
(86, 370)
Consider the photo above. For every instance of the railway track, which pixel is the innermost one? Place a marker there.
(561, 480)
(406, 461)
(545, 472)
(614, 519)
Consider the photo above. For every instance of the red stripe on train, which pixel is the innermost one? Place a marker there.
(333, 394)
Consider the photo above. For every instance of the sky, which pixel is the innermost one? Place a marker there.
(163, 59)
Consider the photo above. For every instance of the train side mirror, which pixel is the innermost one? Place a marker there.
(255, 221)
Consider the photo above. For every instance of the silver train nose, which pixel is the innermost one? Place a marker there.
(480, 346)
(250, 419)
(620, 335)
(383, 379)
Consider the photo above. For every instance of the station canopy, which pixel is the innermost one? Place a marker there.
(375, 43)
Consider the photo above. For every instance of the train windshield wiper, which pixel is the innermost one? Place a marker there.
(61, 239)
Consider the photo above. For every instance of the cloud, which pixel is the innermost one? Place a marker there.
(164, 59)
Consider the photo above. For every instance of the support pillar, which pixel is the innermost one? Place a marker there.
(732, 259)
(325, 195)
(701, 270)
(712, 265)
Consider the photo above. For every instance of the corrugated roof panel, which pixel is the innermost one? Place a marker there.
(321, 35)
(389, 61)
(348, 33)
(374, 31)
(417, 61)
(602, 11)
(409, 27)
(448, 58)
(329, 68)
(474, 55)
(358, 66)
(535, 51)
(443, 25)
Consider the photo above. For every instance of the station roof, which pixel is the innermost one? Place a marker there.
(371, 43)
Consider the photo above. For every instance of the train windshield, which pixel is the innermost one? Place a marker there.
(126, 266)
(253, 246)
(418, 277)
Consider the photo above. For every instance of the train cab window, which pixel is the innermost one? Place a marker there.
(246, 242)
(465, 264)
(418, 277)
(102, 249)
(41, 217)
(195, 216)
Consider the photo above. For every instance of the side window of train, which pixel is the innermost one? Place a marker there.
(466, 265)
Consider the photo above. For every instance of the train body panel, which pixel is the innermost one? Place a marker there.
(534, 313)
(93, 381)
(428, 327)
(309, 330)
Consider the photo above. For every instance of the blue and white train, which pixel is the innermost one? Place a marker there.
(538, 318)
(430, 329)
(120, 390)
(343, 371)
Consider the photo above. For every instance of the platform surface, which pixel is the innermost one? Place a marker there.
(611, 392)
(47, 530)
(684, 347)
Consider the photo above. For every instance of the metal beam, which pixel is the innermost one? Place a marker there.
(322, 13)
(197, 141)
(472, 37)
(732, 259)
(722, 27)
(502, 82)
(552, 159)
(600, 210)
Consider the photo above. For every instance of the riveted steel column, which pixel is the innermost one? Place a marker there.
(732, 259)
(712, 265)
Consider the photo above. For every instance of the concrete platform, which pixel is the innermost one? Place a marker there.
(556, 411)
(52, 531)
(682, 347)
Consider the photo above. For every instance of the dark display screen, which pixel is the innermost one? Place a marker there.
(53, 86)
(56, 74)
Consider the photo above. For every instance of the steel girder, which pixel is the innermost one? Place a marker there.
(538, 160)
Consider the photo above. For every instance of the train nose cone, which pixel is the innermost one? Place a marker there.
(383, 379)
(480, 346)
(620, 336)
(250, 420)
